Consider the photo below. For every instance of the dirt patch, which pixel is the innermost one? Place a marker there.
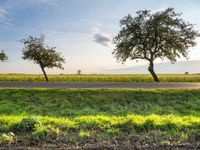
(134, 143)
(117, 143)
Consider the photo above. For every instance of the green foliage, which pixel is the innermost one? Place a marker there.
(39, 134)
(111, 126)
(36, 50)
(150, 36)
(84, 134)
(154, 35)
(3, 56)
(27, 125)
(44, 133)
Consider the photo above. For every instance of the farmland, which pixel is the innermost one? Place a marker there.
(99, 78)
(58, 89)
(88, 117)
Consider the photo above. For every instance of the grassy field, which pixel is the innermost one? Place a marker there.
(100, 78)
(75, 117)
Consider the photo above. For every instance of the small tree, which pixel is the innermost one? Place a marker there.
(149, 36)
(186, 73)
(3, 56)
(36, 50)
(79, 72)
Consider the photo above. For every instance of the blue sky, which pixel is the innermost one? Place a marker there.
(82, 31)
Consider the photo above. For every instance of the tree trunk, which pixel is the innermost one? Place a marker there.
(45, 75)
(151, 70)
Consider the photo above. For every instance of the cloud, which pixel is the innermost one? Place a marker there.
(4, 15)
(102, 37)
(34, 2)
(21, 4)
(51, 2)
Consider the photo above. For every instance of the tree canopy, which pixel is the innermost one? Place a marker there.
(36, 50)
(3, 56)
(149, 36)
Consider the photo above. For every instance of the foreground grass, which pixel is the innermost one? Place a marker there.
(77, 102)
(163, 129)
(75, 117)
(100, 78)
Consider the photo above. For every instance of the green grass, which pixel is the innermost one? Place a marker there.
(76, 102)
(157, 129)
(100, 78)
(75, 117)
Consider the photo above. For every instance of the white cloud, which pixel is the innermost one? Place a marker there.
(102, 38)
(21, 4)
(44, 1)
(33, 2)
(4, 15)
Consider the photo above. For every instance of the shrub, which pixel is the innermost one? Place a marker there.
(44, 133)
(27, 125)
(40, 134)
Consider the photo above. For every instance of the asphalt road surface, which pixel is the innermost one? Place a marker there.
(97, 85)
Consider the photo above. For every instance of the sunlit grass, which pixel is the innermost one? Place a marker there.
(158, 128)
(74, 116)
(101, 78)
(136, 122)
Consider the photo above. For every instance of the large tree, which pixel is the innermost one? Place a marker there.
(36, 50)
(149, 36)
(3, 56)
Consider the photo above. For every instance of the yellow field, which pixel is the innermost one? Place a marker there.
(100, 78)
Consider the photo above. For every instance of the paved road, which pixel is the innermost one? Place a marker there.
(97, 85)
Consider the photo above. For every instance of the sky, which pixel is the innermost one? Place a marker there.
(82, 30)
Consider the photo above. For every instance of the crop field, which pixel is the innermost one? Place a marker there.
(87, 118)
(100, 78)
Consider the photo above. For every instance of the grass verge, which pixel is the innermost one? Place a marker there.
(78, 102)
(85, 118)
(54, 132)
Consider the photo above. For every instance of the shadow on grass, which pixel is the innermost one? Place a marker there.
(78, 102)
